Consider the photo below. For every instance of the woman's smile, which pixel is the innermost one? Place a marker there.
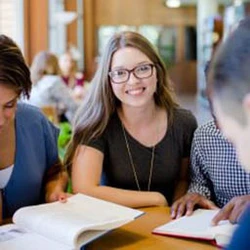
(135, 91)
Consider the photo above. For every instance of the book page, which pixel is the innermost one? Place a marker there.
(89, 236)
(198, 225)
(64, 222)
(9, 232)
(223, 232)
(12, 238)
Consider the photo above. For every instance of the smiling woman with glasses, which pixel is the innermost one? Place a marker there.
(131, 140)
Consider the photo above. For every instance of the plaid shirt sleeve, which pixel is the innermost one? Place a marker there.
(199, 183)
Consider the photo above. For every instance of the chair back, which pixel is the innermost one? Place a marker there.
(50, 112)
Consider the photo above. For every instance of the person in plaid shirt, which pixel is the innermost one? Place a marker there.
(217, 177)
(213, 154)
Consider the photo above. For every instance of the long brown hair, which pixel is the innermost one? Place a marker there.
(100, 103)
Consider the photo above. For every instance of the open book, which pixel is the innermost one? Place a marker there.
(63, 226)
(198, 226)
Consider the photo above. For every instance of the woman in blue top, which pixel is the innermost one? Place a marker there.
(229, 79)
(30, 170)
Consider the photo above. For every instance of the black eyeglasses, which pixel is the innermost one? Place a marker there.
(140, 72)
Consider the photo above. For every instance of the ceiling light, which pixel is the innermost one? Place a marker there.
(173, 3)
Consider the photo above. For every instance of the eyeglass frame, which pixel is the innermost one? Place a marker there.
(132, 71)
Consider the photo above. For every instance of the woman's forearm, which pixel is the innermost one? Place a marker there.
(124, 197)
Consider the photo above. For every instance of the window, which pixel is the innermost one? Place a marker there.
(163, 38)
(11, 20)
(105, 32)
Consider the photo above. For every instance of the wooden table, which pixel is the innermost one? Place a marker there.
(137, 235)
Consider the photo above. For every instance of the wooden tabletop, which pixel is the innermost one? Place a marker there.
(137, 235)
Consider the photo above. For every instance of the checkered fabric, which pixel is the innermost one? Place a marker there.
(215, 170)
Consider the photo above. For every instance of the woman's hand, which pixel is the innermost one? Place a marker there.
(233, 210)
(185, 205)
(58, 196)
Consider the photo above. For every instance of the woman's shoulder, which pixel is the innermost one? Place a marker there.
(25, 110)
(30, 118)
(29, 115)
(35, 130)
(179, 111)
(184, 116)
(207, 129)
(112, 128)
(113, 123)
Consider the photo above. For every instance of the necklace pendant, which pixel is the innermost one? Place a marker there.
(133, 165)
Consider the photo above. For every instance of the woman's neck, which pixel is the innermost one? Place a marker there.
(147, 125)
(132, 116)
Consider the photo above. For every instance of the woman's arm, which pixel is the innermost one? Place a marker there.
(86, 176)
(183, 181)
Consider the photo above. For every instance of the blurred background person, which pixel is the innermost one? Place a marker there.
(73, 78)
(48, 87)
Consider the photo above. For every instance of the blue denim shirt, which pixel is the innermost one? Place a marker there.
(36, 151)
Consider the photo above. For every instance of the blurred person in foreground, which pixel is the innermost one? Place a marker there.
(213, 154)
(229, 84)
